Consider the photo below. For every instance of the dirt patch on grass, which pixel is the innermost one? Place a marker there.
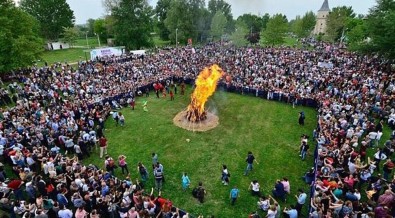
(181, 121)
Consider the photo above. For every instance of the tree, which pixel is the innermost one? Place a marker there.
(239, 36)
(187, 19)
(255, 25)
(70, 35)
(380, 29)
(20, 41)
(100, 28)
(218, 25)
(275, 31)
(302, 27)
(90, 23)
(52, 15)
(132, 27)
(220, 5)
(109, 5)
(336, 22)
(356, 33)
(161, 9)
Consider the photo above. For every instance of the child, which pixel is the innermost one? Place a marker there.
(185, 181)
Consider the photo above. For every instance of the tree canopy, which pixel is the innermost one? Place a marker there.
(337, 21)
(133, 24)
(275, 31)
(20, 42)
(52, 15)
(218, 25)
(303, 27)
(380, 29)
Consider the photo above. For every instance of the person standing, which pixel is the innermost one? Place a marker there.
(250, 160)
(303, 150)
(301, 201)
(254, 187)
(225, 175)
(200, 192)
(122, 163)
(158, 173)
(182, 88)
(301, 118)
(103, 146)
(154, 159)
(143, 171)
(185, 181)
(121, 119)
(171, 95)
(132, 103)
(279, 191)
(234, 194)
(146, 92)
(292, 213)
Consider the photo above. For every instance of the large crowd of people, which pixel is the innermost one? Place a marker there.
(61, 108)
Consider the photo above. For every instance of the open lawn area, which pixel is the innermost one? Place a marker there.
(269, 129)
(71, 55)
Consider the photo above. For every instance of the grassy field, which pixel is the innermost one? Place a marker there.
(92, 42)
(71, 55)
(269, 129)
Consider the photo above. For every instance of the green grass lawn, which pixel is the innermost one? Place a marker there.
(92, 42)
(159, 42)
(269, 129)
(70, 55)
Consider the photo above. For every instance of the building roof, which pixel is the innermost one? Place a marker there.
(325, 6)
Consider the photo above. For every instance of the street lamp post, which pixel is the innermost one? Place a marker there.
(86, 37)
(98, 39)
(177, 38)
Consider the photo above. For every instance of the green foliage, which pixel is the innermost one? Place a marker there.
(20, 42)
(70, 35)
(238, 37)
(336, 22)
(220, 5)
(302, 27)
(52, 15)
(218, 25)
(191, 19)
(90, 23)
(356, 33)
(275, 31)
(100, 28)
(133, 24)
(254, 23)
(161, 9)
(380, 28)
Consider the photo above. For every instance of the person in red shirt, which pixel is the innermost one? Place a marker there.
(171, 95)
(103, 146)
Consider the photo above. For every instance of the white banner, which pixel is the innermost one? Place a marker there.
(102, 52)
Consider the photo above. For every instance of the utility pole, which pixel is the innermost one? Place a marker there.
(98, 39)
(86, 37)
(176, 37)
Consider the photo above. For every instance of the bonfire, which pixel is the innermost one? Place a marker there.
(196, 117)
(206, 84)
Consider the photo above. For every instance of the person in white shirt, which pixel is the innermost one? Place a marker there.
(255, 188)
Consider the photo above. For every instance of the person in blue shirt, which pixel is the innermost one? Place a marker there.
(234, 194)
(292, 212)
(301, 200)
(185, 181)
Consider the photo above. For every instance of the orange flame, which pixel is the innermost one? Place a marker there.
(206, 83)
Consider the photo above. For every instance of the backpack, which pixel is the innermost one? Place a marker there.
(195, 192)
